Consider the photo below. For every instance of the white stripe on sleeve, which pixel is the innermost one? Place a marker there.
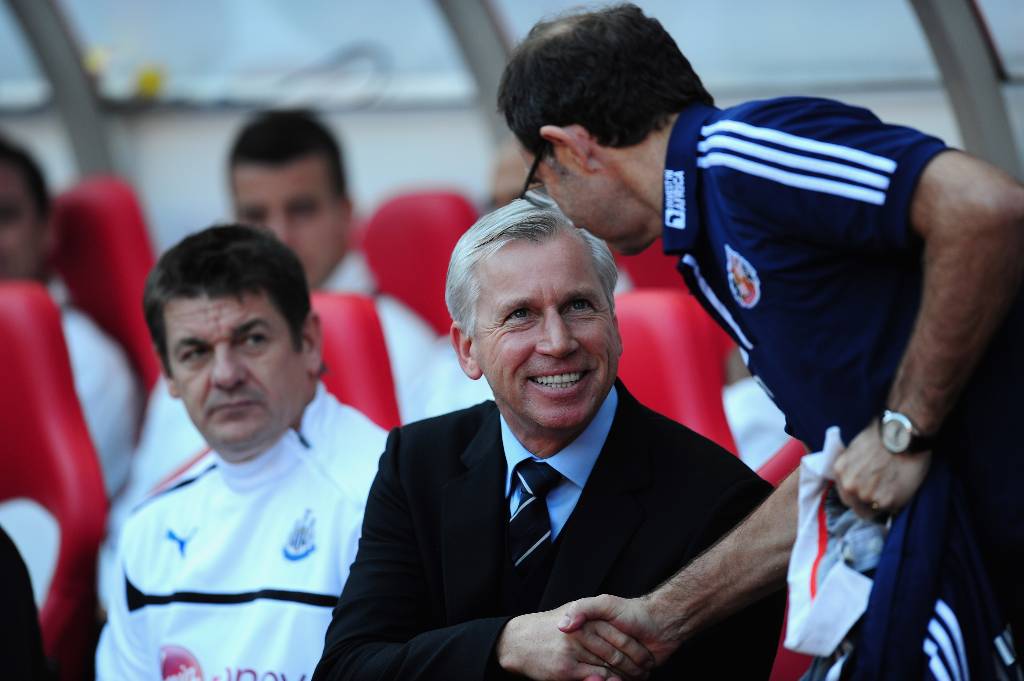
(797, 180)
(839, 151)
(817, 165)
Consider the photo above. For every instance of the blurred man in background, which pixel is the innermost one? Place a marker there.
(108, 390)
(286, 173)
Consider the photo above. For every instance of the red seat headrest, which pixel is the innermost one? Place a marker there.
(103, 254)
(408, 242)
(673, 359)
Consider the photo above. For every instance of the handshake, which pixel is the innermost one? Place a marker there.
(604, 637)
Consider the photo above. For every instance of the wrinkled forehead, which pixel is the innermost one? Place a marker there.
(210, 318)
(255, 178)
(555, 266)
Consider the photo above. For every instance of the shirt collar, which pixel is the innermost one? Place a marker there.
(680, 213)
(352, 275)
(58, 291)
(577, 459)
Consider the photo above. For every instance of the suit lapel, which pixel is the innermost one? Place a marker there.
(607, 513)
(473, 519)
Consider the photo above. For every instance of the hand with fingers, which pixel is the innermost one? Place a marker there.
(630, 617)
(873, 481)
(532, 646)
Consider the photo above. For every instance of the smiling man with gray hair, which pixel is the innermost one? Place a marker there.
(481, 521)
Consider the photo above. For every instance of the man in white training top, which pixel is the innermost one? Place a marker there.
(232, 570)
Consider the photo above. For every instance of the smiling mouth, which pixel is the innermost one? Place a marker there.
(566, 380)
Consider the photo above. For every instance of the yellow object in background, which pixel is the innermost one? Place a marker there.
(96, 60)
(149, 81)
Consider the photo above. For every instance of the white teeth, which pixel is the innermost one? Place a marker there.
(559, 380)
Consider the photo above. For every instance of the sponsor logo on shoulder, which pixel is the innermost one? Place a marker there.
(181, 540)
(300, 542)
(675, 199)
(744, 283)
(178, 664)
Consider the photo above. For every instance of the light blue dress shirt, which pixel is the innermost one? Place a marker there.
(574, 462)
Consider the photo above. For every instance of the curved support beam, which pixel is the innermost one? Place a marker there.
(972, 79)
(485, 50)
(73, 93)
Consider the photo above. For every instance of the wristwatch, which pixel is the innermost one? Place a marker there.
(900, 436)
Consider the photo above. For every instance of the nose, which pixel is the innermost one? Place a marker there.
(279, 228)
(557, 337)
(228, 369)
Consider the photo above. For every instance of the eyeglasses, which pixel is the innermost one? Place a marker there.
(533, 169)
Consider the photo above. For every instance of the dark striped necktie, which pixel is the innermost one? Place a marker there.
(529, 527)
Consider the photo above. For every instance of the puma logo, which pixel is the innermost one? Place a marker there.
(181, 541)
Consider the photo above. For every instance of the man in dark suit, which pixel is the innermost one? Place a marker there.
(481, 521)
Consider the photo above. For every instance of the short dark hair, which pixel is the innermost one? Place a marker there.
(616, 72)
(26, 166)
(221, 261)
(286, 135)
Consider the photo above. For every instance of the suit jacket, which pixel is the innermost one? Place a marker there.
(423, 598)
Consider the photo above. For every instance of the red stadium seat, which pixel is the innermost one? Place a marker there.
(673, 359)
(783, 462)
(788, 666)
(408, 242)
(358, 370)
(103, 254)
(651, 268)
(48, 457)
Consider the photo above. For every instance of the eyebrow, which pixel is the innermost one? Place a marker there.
(301, 201)
(516, 303)
(248, 326)
(236, 333)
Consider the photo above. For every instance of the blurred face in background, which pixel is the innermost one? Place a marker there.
(25, 235)
(297, 202)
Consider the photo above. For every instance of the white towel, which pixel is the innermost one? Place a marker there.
(826, 597)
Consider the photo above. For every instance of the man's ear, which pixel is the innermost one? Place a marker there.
(344, 204)
(574, 147)
(618, 335)
(312, 344)
(463, 344)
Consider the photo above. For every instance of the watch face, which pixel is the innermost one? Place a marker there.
(895, 435)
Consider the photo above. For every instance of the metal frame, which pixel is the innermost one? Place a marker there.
(485, 49)
(972, 77)
(73, 91)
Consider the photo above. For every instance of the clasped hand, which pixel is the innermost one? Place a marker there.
(533, 646)
(873, 481)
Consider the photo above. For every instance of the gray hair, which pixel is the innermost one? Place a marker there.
(519, 220)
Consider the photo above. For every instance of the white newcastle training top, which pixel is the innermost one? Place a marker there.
(232, 573)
